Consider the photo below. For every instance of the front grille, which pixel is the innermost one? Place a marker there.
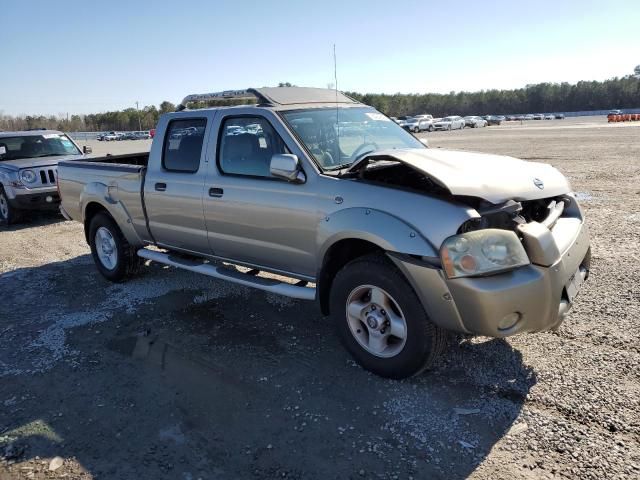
(48, 176)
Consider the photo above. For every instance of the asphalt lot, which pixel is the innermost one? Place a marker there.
(173, 375)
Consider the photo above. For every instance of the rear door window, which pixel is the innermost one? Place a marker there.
(183, 145)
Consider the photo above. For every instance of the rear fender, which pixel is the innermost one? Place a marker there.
(106, 196)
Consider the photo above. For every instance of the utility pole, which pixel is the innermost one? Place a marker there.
(139, 119)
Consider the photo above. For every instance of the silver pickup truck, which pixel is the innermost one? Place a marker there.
(28, 170)
(397, 242)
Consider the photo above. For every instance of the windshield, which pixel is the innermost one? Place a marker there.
(337, 137)
(35, 146)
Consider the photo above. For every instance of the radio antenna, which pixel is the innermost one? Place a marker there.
(335, 80)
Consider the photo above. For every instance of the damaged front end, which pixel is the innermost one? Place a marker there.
(516, 266)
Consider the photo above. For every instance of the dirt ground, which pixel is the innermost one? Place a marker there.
(177, 376)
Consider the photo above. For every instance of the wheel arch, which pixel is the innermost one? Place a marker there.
(96, 198)
(351, 233)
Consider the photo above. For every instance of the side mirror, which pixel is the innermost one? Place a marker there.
(425, 142)
(286, 167)
(87, 149)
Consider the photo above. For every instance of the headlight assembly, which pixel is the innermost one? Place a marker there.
(28, 176)
(482, 252)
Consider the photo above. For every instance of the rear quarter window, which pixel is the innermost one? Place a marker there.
(183, 145)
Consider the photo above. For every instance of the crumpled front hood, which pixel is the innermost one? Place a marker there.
(495, 178)
(21, 163)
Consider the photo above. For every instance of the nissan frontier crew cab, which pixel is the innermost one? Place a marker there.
(398, 243)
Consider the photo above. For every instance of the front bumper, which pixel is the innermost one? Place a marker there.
(539, 294)
(36, 199)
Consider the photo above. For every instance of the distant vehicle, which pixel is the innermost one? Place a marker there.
(418, 125)
(29, 171)
(511, 118)
(111, 136)
(559, 116)
(538, 116)
(449, 123)
(129, 136)
(473, 121)
(548, 116)
(424, 116)
(521, 118)
(141, 135)
(395, 119)
(493, 119)
(615, 112)
(529, 116)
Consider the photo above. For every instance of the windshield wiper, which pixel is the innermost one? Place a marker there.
(54, 155)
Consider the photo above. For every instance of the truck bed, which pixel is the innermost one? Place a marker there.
(116, 179)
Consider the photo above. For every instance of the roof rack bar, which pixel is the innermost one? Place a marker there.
(224, 95)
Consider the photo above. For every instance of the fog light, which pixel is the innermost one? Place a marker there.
(49, 199)
(509, 321)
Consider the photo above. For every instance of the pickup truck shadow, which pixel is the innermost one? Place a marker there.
(177, 376)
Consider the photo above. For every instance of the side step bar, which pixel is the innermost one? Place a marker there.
(246, 279)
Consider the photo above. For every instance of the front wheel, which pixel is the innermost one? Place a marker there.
(115, 258)
(381, 321)
(430, 128)
(8, 214)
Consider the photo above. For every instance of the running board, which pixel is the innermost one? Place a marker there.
(246, 279)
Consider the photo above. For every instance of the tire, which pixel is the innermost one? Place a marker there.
(393, 356)
(8, 214)
(125, 263)
(430, 129)
(449, 127)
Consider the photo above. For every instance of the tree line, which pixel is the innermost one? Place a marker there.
(542, 97)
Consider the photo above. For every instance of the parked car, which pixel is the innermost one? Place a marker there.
(528, 116)
(129, 136)
(111, 136)
(473, 121)
(403, 120)
(538, 116)
(142, 135)
(396, 242)
(615, 112)
(549, 116)
(559, 116)
(494, 119)
(418, 125)
(28, 171)
(424, 116)
(449, 123)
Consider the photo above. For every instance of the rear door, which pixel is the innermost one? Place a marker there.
(175, 181)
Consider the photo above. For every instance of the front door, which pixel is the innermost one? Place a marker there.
(251, 216)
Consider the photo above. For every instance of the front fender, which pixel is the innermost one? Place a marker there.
(6, 177)
(380, 228)
(106, 197)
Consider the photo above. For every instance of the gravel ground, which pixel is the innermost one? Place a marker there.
(173, 375)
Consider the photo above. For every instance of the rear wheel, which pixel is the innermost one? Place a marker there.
(115, 258)
(381, 321)
(430, 128)
(8, 214)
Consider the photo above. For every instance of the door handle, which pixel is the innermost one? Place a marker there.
(216, 192)
(160, 187)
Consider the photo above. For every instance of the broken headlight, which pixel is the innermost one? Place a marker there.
(482, 252)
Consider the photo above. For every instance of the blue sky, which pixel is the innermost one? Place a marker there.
(82, 57)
